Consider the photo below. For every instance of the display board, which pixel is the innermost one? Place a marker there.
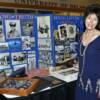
(44, 28)
(17, 42)
(37, 41)
(57, 39)
(67, 30)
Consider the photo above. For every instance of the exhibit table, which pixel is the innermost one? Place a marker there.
(61, 91)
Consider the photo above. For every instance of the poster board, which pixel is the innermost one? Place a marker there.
(17, 42)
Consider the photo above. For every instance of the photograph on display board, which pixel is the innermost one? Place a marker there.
(31, 63)
(67, 52)
(73, 49)
(32, 41)
(56, 34)
(67, 49)
(45, 57)
(4, 60)
(13, 29)
(43, 25)
(14, 45)
(19, 58)
(71, 31)
(44, 44)
(27, 28)
(62, 31)
(20, 66)
(2, 37)
(31, 53)
(59, 58)
(26, 43)
(4, 47)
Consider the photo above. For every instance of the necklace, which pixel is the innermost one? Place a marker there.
(82, 71)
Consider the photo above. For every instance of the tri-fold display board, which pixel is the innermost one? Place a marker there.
(37, 41)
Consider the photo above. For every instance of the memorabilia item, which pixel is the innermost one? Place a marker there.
(68, 74)
(18, 86)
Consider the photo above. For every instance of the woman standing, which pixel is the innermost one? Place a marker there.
(88, 85)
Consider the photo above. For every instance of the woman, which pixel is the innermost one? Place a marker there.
(88, 85)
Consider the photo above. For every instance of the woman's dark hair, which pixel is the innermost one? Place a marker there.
(93, 8)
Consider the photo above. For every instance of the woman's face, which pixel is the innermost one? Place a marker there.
(91, 21)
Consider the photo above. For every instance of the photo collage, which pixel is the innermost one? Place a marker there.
(44, 41)
(17, 42)
(66, 34)
(37, 41)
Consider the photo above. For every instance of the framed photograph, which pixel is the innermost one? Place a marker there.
(4, 60)
(27, 27)
(43, 26)
(19, 58)
(13, 29)
(71, 31)
(62, 31)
